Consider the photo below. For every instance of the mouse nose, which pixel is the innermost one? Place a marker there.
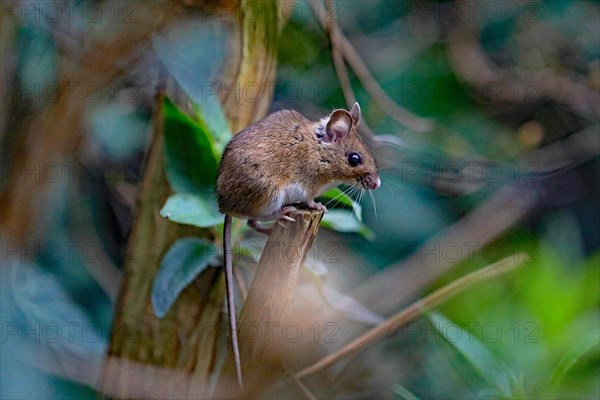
(376, 183)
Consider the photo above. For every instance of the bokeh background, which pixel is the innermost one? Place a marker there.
(482, 115)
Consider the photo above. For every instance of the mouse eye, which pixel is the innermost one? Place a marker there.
(354, 159)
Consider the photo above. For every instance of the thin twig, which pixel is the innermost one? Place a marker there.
(414, 310)
(387, 104)
(342, 72)
(305, 390)
(338, 58)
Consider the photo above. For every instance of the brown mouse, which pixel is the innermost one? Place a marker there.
(282, 160)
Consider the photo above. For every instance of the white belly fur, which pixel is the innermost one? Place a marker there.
(294, 193)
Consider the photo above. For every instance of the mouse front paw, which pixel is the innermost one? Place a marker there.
(313, 205)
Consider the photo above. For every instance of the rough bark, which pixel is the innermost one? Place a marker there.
(185, 339)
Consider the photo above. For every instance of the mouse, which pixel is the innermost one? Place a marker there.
(281, 161)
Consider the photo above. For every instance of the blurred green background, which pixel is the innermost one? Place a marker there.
(511, 92)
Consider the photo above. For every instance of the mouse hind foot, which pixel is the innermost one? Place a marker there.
(256, 226)
(280, 217)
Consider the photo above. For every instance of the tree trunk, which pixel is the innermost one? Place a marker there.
(175, 357)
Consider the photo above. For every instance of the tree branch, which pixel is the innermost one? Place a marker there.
(270, 294)
(387, 104)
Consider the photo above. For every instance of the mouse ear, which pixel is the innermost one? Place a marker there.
(338, 126)
(355, 113)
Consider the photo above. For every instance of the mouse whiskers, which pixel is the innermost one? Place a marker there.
(360, 196)
(347, 192)
(373, 201)
(355, 203)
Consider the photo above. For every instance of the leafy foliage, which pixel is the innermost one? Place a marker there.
(195, 64)
(522, 343)
(344, 221)
(478, 355)
(191, 165)
(67, 271)
(339, 197)
(191, 159)
(185, 260)
(189, 209)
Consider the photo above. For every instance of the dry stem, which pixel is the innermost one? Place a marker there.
(417, 308)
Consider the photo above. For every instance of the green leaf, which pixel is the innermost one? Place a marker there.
(191, 164)
(476, 353)
(211, 113)
(585, 341)
(185, 260)
(190, 209)
(193, 51)
(337, 196)
(344, 221)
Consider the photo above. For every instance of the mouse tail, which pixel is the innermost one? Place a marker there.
(229, 285)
